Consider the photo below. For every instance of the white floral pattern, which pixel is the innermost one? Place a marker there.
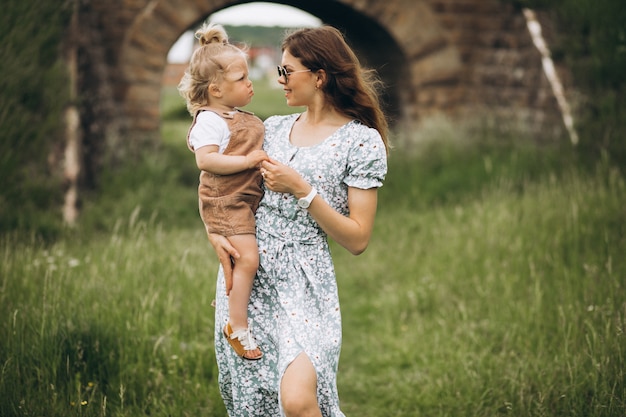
(294, 306)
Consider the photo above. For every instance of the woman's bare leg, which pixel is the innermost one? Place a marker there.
(298, 389)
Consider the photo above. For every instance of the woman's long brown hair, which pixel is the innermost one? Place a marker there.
(350, 88)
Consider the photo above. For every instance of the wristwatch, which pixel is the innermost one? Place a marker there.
(305, 202)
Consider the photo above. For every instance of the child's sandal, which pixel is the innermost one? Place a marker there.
(242, 342)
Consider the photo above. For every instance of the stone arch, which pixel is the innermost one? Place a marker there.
(384, 37)
(143, 57)
(466, 59)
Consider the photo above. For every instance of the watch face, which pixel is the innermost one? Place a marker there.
(305, 202)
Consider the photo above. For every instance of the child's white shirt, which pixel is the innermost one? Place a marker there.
(210, 129)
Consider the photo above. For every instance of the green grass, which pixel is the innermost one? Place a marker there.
(505, 304)
(494, 285)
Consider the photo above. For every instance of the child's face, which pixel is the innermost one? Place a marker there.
(236, 87)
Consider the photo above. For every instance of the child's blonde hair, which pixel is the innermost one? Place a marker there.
(207, 65)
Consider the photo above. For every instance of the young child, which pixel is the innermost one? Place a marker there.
(227, 143)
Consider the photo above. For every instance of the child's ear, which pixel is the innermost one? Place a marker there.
(214, 90)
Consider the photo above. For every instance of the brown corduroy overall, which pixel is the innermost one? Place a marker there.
(228, 202)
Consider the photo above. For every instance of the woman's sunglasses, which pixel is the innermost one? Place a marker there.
(282, 72)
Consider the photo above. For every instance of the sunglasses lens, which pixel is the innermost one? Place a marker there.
(282, 72)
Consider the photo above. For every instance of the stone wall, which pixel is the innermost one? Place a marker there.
(501, 71)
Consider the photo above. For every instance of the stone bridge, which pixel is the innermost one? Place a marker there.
(469, 60)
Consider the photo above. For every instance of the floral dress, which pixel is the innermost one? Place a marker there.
(294, 305)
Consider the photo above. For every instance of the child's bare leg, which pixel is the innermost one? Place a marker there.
(244, 271)
(243, 276)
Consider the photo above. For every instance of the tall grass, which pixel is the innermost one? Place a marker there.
(510, 303)
(493, 285)
(119, 326)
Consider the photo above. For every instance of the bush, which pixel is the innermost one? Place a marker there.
(591, 42)
(34, 92)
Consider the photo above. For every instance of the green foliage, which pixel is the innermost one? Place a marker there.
(160, 187)
(593, 36)
(33, 89)
(590, 40)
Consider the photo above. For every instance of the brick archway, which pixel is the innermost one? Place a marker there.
(458, 58)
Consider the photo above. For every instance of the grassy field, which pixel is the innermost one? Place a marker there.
(494, 285)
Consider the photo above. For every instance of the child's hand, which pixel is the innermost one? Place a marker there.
(254, 158)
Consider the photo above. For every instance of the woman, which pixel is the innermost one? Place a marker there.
(325, 166)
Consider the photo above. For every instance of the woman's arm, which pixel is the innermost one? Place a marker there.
(353, 232)
(209, 159)
(225, 253)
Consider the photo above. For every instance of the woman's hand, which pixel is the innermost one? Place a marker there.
(281, 178)
(353, 232)
(226, 252)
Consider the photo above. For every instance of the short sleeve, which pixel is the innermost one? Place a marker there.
(367, 160)
(209, 129)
